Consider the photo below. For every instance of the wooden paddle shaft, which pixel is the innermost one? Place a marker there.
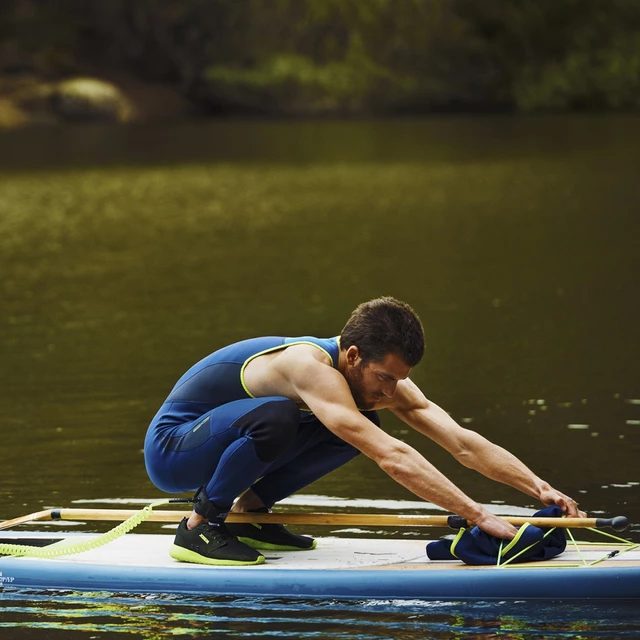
(32, 517)
(343, 519)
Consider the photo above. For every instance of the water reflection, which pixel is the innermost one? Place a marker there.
(100, 615)
(126, 255)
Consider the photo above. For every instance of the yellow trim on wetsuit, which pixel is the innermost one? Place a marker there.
(278, 348)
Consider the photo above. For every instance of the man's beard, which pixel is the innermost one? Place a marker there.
(355, 380)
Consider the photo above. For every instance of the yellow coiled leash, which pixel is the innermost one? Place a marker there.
(64, 548)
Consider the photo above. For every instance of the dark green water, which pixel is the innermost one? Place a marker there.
(128, 254)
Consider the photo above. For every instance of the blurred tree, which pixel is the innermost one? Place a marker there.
(344, 55)
(592, 62)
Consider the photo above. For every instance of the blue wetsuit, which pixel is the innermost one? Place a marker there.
(211, 432)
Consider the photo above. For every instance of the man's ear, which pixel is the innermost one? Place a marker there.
(353, 356)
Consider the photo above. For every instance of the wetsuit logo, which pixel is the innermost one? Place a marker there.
(200, 424)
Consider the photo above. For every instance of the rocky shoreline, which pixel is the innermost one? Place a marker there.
(29, 100)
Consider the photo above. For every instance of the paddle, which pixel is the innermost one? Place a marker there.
(619, 523)
(32, 517)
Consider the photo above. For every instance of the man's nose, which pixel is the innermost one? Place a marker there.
(389, 389)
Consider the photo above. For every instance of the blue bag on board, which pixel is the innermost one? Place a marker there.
(474, 546)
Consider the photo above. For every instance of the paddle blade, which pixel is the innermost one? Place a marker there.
(32, 517)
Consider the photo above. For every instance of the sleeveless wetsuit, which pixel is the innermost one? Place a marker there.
(210, 431)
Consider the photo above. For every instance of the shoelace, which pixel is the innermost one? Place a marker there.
(219, 531)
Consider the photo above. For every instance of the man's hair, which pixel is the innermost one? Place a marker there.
(382, 326)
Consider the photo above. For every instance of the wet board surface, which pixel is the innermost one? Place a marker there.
(338, 567)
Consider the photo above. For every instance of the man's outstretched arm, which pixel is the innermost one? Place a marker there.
(326, 393)
(473, 450)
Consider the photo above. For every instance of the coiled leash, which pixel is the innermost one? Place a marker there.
(64, 548)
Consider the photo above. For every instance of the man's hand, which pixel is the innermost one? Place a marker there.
(494, 525)
(568, 505)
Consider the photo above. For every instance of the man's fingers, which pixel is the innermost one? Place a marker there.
(497, 527)
(568, 505)
(571, 510)
(506, 533)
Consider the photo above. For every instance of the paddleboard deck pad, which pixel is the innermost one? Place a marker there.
(360, 568)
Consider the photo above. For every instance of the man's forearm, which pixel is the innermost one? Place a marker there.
(473, 450)
(476, 452)
(498, 464)
(407, 467)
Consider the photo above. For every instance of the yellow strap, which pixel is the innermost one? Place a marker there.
(455, 542)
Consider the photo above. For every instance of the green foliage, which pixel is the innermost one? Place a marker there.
(606, 78)
(291, 82)
(291, 72)
(346, 55)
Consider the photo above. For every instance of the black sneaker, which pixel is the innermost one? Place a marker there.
(211, 544)
(273, 537)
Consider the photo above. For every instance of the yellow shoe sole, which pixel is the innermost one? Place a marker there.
(184, 555)
(257, 544)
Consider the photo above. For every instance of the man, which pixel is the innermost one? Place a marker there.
(262, 418)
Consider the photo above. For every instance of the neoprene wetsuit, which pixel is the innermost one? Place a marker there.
(211, 432)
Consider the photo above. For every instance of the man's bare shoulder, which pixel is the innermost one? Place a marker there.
(301, 353)
(282, 372)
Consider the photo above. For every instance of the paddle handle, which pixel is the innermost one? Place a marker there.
(345, 519)
(351, 519)
(619, 523)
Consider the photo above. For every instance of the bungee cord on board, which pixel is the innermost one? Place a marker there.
(63, 548)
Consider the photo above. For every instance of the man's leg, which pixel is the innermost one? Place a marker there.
(224, 451)
(315, 452)
(261, 434)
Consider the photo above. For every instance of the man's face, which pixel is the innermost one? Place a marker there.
(374, 382)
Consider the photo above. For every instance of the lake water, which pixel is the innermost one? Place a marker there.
(127, 254)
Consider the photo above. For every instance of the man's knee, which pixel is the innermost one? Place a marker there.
(272, 427)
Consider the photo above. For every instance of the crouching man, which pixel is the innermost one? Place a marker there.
(260, 419)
